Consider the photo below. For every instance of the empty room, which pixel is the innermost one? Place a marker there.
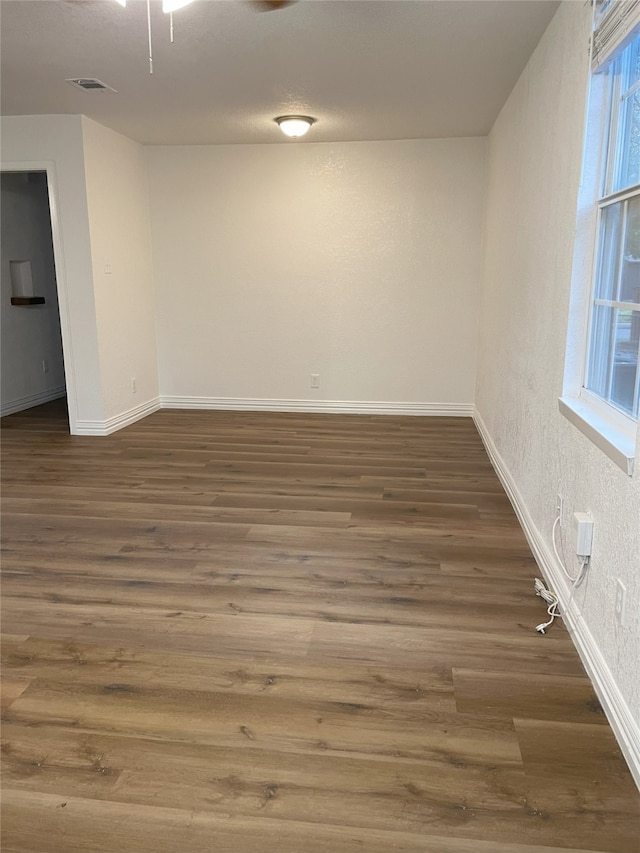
(319, 422)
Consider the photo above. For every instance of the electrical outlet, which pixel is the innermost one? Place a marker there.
(621, 594)
(45, 366)
(559, 507)
(315, 380)
(133, 386)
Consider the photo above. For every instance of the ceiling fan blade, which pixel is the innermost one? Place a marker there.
(270, 5)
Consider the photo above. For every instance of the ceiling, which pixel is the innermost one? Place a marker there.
(366, 69)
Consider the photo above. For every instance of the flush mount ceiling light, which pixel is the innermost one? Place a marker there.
(294, 126)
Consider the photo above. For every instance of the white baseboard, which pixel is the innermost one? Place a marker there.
(118, 421)
(625, 728)
(242, 404)
(31, 400)
(344, 407)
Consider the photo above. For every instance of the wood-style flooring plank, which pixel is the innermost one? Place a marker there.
(419, 691)
(169, 630)
(394, 645)
(11, 688)
(520, 694)
(56, 824)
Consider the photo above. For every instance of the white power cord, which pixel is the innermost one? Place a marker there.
(550, 597)
(552, 601)
(583, 560)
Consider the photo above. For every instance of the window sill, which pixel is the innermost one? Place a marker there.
(616, 443)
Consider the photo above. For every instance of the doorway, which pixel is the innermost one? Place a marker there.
(32, 361)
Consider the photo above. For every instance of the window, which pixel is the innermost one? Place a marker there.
(602, 376)
(612, 372)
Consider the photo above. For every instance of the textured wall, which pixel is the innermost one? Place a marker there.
(118, 208)
(534, 173)
(356, 261)
(29, 334)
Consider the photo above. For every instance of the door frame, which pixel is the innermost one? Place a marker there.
(64, 310)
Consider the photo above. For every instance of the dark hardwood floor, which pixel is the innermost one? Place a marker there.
(281, 633)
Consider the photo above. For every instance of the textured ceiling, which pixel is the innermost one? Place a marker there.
(366, 69)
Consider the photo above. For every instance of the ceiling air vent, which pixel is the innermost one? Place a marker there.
(89, 84)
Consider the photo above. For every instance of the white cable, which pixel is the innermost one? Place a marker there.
(543, 592)
(580, 576)
(552, 610)
(550, 597)
(552, 600)
(149, 34)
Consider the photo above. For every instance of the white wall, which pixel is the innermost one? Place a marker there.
(118, 210)
(57, 141)
(356, 261)
(30, 334)
(97, 179)
(534, 173)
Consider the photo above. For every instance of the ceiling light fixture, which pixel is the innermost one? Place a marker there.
(294, 126)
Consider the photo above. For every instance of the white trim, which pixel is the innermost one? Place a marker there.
(611, 303)
(117, 422)
(609, 199)
(64, 311)
(250, 404)
(603, 429)
(31, 400)
(625, 728)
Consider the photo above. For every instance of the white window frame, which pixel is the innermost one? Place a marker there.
(608, 427)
